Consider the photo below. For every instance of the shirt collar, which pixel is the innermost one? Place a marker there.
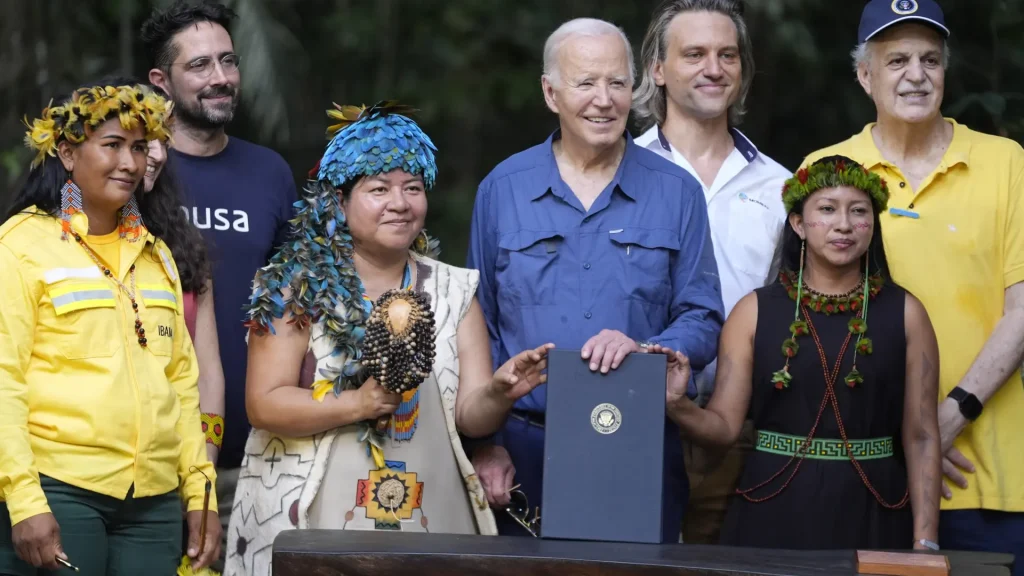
(959, 151)
(739, 140)
(554, 184)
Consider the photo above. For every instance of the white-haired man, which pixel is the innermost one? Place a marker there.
(590, 242)
(697, 67)
(954, 237)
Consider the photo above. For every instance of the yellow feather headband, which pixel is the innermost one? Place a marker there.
(88, 108)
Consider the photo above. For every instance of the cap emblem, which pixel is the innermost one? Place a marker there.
(904, 7)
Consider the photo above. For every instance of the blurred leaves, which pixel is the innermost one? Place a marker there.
(472, 68)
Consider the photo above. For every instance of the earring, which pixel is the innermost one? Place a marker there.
(130, 226)
(70, 204)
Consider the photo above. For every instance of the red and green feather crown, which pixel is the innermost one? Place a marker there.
(834, 172)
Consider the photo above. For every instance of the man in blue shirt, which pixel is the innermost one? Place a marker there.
(591, 242)
(237, 193)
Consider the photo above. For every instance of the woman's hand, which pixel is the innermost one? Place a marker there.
(375, 401)
(521, 374)
(211, 544)
(678, 378)
(36, 539)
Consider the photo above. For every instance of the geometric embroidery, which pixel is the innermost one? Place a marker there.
(389, 495)
(824, 448)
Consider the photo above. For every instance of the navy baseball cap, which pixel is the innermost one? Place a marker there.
(881, 14)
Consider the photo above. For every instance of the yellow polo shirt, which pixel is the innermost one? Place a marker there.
(80, 400)
(958, 257)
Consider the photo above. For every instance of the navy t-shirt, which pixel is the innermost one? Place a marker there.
(241, 200)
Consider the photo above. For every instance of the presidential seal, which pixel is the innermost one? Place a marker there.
(904, 7)
(606, 418)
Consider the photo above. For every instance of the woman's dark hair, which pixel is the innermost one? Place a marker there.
(877, 262)
(161, 208)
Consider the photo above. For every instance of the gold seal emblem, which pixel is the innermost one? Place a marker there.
(606, 418)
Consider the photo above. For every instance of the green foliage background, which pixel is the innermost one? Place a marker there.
(473, 69)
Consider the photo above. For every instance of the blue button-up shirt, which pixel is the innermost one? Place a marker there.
(640, 261)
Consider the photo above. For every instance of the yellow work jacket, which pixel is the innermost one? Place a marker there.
(81, 401)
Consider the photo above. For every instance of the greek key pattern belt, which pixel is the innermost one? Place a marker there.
(824, 448)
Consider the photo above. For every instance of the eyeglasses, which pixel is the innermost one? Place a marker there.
(204, 66)
(519, 510)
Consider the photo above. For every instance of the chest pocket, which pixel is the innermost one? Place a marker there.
(527, 266)
(159, 317)
(646, 256)
(86, 323)
(753, 234)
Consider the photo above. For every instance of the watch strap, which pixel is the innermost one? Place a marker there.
(958, 394)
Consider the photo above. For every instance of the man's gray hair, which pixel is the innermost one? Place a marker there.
(861, 54)
(582, 27)
(649, 98)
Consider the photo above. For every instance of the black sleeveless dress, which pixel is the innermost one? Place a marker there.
(826, 505)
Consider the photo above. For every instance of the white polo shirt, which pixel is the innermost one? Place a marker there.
(746, 215)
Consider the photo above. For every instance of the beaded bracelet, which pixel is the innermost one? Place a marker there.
(213, 427)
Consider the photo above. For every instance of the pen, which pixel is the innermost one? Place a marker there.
(66, 563)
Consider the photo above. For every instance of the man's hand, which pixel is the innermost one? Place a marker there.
(494, 468)
(211, 549)
(954, 463)
(608, 349)
(521, 374)
(36, 540)
(951, 423)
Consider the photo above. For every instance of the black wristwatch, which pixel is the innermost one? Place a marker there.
(970, 406)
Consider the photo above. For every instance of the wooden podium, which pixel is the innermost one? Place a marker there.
(337, 553)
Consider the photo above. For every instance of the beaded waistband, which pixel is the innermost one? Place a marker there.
(823, 448)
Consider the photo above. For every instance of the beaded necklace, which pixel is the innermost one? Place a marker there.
(140, 332)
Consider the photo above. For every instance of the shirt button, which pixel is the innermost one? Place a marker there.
(588, 315)
(911, 205)
(903, 184)
(586, 266)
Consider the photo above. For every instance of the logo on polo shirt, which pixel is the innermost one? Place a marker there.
(904, 7)
(165, 331)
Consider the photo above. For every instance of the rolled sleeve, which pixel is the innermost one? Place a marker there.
(697, 312)
(19, 479)
(193, 464)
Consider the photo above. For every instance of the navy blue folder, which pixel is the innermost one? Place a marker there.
(604, 450)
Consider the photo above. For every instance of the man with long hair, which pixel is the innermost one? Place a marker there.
(697, 68)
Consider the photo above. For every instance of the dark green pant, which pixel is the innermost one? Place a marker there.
(105, 536)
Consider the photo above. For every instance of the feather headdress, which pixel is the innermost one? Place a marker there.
(369, 141)
(86, 109)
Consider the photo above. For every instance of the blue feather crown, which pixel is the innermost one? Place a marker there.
(369, 141)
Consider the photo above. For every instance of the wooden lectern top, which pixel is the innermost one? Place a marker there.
(334, 552)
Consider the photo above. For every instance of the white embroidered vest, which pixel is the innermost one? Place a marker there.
(280, 476)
